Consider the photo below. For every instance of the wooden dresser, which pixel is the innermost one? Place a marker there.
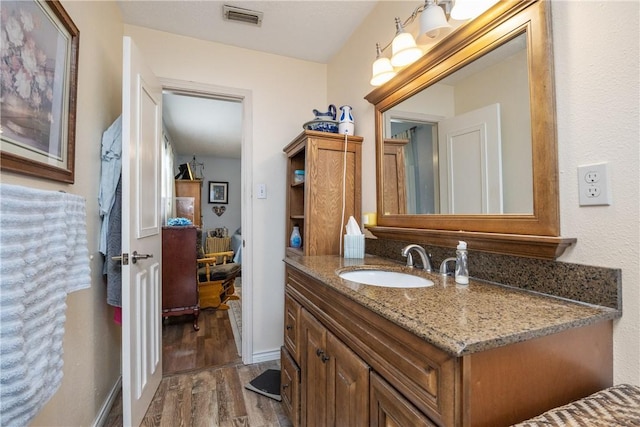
(179, 284)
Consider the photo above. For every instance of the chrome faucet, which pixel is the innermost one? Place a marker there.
(424, 256)
(444, 267)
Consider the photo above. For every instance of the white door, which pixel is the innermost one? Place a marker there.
(141, 235)
(470, 162)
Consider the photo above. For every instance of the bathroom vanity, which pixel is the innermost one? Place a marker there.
(447, 355)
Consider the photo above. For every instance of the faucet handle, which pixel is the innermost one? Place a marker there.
(409, 261)
(444, 270)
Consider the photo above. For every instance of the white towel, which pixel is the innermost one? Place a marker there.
(43, 256)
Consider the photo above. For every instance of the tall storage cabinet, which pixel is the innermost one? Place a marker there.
(315, 204)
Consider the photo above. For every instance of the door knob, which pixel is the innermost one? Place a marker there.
(135, 256)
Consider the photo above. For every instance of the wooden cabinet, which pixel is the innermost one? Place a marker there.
(190, 189)
(315, 205)
(179, 286)
(334, 380)
(352, 359)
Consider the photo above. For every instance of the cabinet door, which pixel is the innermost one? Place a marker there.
(390, 409)
(291, 327)
(314, 371)
(348, 386)
(290, 387)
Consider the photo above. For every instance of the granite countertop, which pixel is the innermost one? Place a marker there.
(457, 319)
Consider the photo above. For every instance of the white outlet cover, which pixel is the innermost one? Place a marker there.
(593, 185)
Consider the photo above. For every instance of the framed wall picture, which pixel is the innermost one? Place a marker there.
(218, 192)
(39, 61)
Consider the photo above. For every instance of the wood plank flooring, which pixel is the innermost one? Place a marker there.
(184, 349)
(200, 389)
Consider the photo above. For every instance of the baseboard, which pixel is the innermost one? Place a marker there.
(101, 419)
(266, 356)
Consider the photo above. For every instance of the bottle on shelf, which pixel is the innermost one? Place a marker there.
(295, 240)
(462, 264)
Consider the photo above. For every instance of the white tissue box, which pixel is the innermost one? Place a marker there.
(354, 245)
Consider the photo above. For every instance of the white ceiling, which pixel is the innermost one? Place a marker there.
(303, 29)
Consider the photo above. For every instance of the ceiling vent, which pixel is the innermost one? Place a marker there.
(238, 14)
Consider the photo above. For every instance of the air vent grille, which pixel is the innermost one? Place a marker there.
(238, 14)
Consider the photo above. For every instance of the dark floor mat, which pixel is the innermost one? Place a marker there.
(267, 384)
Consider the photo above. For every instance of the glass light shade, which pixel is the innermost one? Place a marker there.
(469, 9)
(433, 22)
(382, 71)
(404, 50)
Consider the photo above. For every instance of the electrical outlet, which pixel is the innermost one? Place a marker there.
(593, 185)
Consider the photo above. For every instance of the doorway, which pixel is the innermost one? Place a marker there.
(238, 209)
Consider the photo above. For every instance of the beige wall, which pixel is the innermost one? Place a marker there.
(92, 340)
(597, 100)
(284, 93)
(597, 88)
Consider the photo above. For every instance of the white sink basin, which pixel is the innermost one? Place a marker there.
(387, 279)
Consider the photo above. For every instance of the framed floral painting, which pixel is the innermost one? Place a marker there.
(39, 74)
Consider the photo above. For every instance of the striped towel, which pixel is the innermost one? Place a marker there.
(43, 256)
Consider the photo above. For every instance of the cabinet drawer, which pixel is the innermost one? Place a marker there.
(291, 327)
(290, 387)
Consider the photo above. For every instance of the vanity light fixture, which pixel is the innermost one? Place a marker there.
(433, 21)
(469, 9)
(403, 47)
(382, 69)
(433, 26)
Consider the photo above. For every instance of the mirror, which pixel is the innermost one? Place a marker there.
(459, 160)
(465, 141)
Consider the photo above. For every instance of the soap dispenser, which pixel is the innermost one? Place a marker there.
(462, 265)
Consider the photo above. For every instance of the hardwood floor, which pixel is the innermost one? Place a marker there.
(203, 389)
(184, 349)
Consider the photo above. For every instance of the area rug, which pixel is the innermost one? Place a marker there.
(235, 315)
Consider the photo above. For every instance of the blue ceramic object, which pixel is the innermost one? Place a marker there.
(329, 115)
(322, 126)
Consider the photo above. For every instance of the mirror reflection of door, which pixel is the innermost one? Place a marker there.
(471, 162)
(499, 77)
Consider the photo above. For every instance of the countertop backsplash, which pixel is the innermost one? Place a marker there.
(593, 285)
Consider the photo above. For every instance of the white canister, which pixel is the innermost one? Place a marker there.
(345, 124)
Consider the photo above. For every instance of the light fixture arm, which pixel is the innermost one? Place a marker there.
(400, 25)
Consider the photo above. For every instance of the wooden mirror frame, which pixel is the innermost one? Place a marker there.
(532, 235)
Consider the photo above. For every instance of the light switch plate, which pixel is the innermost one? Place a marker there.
(262, 191)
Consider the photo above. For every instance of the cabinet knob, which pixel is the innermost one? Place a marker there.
(324, 358)
(319, 352)
(289, 327)
(284, 386)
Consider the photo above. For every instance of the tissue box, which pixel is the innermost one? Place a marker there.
(354, 245)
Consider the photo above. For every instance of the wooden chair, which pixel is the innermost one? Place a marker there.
(216, 278)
